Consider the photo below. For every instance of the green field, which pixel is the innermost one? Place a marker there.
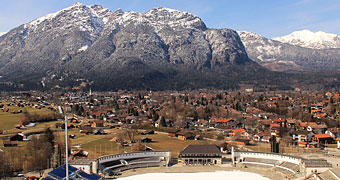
(102, 147)
(9, 120)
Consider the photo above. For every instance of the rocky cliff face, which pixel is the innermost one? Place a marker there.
(91, 41)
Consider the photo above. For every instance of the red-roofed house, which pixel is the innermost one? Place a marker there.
(274, 126)
(241, 132)
(97, 123)
(322, 115)
(266, 139)
(97, 115)
(291, 122)
(223, 120)
(302, 144)
(259, 136)
(305, 125)
(329, 94)
(322, 138)
(338, 143)
(279, 121)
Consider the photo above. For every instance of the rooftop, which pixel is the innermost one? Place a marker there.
(201, 149)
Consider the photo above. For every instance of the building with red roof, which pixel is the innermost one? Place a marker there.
(322, 138)
(241, 132)
(221, 120)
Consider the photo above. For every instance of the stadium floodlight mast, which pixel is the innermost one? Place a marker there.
(66, 139)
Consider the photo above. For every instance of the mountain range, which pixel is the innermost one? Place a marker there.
(298, 51)
(91, 46)
(313, 40)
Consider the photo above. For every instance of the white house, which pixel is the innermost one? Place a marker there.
(82, 164)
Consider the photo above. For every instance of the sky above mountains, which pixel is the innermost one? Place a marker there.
(266, 17)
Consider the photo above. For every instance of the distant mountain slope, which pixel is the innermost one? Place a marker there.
(309, 39)
(279, 56)
(162, 48)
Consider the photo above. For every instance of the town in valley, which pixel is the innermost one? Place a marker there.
(223, 125)
(142, 90)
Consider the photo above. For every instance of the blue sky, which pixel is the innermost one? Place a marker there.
(270, 18)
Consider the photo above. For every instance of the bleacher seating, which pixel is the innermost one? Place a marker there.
(134, 166)
(316, 163)
(284, 171)
(146, 159)
(284, 167)
(257, 165)
(327, 175)
(121, 162)
(117, 166)
(292, 166)
(259, 160)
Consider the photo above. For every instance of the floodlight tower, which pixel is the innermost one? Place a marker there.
(66, 137)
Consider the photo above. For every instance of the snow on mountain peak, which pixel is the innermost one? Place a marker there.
(77, 4)
(244, 34)
(2, 33)
(163, 12)
(265, 47)
(309, 39)
(53, 15)
(158, 18)
(119, 11)
(90, 19)
(164, 9)
(174, 18)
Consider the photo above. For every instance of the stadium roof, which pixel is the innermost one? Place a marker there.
(74, 173)
(60, 172)
(201, 149)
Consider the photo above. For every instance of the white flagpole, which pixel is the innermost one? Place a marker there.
(66, 148)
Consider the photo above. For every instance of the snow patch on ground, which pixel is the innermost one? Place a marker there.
(83, 48)
(231, 175)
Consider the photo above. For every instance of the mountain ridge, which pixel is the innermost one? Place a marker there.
(309, 39)
(279, 56)
(89, 46)
(155, 49)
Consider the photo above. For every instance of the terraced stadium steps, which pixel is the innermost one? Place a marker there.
(327, 175)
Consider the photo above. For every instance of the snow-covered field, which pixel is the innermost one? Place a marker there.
(230, 175)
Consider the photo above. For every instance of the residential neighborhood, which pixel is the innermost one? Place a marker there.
(100, 124)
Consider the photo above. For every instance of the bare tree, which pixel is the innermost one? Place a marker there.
(138, 147)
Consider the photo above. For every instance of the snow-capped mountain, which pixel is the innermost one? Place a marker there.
(282, 56)
(123, 48)
(2, 33)
(309, 39)
(87, 18)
